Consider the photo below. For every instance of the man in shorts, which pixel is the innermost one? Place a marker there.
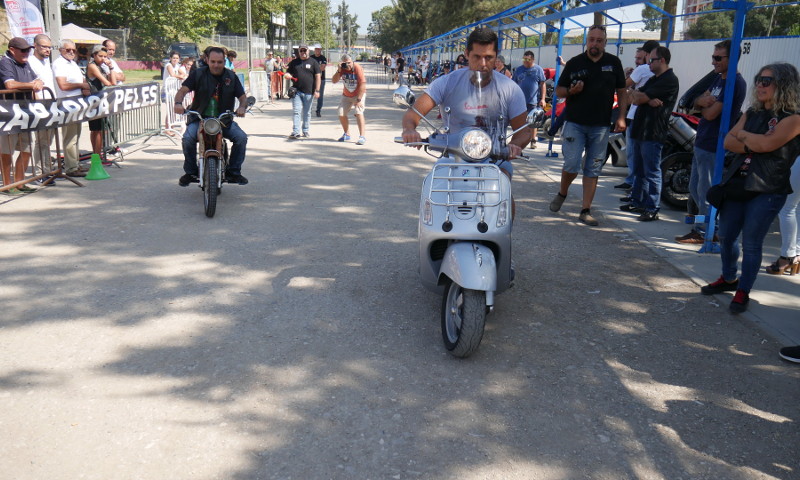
(353, 97)
(17, 74)
(589, 82)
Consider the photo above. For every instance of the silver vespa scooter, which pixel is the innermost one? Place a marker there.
(465, 221)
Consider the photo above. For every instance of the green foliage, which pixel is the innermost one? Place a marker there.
(652, 17)
(346, 25)
(760, 22)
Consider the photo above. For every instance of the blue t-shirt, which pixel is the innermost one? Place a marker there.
(472, 106)
(528, 80)
(708, 130)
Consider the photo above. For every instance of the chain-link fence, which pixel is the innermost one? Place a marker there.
(118, 36)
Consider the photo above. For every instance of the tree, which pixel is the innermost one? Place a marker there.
(347, 25)
(652, 17)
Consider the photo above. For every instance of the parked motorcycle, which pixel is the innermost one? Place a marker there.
(465, 221)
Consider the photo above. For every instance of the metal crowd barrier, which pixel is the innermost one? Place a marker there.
(39, 147)
(260, 87)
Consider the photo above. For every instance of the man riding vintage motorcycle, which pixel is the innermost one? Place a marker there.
(216, 88)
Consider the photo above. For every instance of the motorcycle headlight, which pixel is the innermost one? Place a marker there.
(476, 144)
(212, 126)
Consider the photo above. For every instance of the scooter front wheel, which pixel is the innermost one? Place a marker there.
(463, 319)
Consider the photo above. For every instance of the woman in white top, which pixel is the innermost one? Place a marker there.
(171, 69)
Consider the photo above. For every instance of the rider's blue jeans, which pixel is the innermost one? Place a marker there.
(232, 132)
(301, 104)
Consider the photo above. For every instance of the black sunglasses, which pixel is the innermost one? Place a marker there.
(718, 58)
(654, 59)
(598, 27)
(764, 81)
(303, 49)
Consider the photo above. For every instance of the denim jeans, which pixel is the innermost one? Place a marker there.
(752, 219)
(646, 191)
(788, 217)
(575, 139)
(321, 94)
(301, 105)
(700, 181)
(232, 132)
(629, 147)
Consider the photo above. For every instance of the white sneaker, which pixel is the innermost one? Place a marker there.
(361, 140)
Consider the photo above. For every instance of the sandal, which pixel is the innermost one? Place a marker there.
(782, 264)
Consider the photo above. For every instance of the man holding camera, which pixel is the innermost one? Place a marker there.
(353, 93)
(589, 82)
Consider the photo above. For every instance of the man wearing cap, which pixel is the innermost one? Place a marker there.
(353, 97)
(70, 82)
(530, 78)
(323, 62)
(270, 65)
(17, 74)
(306, 75)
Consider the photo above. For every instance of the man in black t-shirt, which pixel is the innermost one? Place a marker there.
(654, 100)
(216, 89)
(307, 77)
(323, 62)
(589, 82)
(401, 66)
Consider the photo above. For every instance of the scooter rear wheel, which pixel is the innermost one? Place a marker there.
(463, 319)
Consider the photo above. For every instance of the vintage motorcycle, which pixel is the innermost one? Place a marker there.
(212, 157)
(465, 220)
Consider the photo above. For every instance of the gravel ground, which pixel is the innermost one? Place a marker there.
(289, 337)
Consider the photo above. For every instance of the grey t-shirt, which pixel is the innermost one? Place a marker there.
(472, 106)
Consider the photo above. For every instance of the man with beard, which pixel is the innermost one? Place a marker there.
(500, 96)
(589, 82)
(323, 62)
(216, 88)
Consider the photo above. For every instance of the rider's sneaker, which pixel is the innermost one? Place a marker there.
(236, 178)
(294, 136)
(186, 179)
(344, 138)
(361, 140)
(306, 135)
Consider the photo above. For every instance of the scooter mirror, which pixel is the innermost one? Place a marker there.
(403, 96)
(535, 118)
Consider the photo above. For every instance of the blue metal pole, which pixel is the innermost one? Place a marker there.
(741, 8)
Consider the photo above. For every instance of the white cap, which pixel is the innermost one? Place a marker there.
(317, 45)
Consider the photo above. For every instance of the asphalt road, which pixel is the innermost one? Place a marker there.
(289, 338)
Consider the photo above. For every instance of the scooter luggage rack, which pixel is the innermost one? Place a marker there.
(486, 183)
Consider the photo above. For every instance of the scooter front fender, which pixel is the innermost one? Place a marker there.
(471, 265)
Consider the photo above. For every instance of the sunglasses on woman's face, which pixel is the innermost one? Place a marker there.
(764, 81)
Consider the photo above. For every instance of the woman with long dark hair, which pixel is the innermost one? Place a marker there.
(756, 181)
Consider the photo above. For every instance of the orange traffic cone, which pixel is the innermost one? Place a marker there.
(96, 170)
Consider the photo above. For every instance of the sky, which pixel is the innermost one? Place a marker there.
(364, 9)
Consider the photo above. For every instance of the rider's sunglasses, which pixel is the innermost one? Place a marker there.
(764, 81)
(718, 58)
(653, 59)
(303, 50)
(602, 28)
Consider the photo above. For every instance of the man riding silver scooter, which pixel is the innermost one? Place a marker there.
(466, 209)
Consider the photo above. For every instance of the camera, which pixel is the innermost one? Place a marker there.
(344, 66)
(579, 76)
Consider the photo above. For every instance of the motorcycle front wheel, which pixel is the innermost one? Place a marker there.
(210, 185)
(676, 170)
(463, 319)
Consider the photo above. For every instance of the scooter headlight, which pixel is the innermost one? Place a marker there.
(476, 144)
(212, 126)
